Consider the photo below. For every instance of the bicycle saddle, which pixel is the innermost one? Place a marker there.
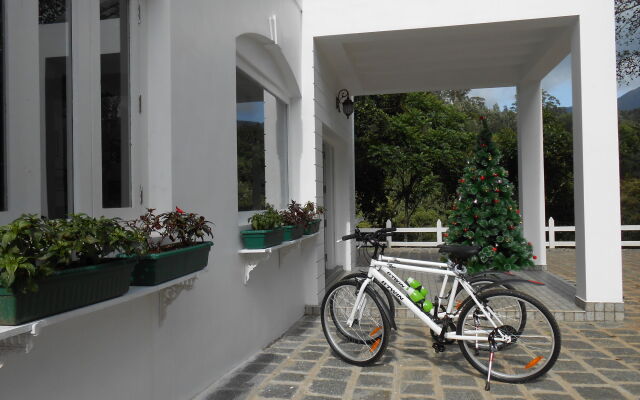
(459, 251)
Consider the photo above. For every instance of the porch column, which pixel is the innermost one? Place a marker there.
(531, 167)
(595, 161)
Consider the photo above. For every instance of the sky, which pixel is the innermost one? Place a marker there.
(557, 83)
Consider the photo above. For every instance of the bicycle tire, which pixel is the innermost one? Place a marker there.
(367, 339)
(533, 351)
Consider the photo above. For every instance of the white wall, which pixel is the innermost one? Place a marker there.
(129, 351)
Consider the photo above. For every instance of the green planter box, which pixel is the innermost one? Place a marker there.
(292, 232)
(312, 227)
(262, 239)
(66, 290)
(153, 269)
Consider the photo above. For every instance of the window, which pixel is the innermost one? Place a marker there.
(85, 107)
(114, 90)
(55, 104)
(262, 146)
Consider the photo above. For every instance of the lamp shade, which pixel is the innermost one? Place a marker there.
(347, 107)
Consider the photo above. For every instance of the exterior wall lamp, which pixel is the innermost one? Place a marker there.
(344, 99)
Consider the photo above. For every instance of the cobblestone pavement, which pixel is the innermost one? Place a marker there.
(599, 360)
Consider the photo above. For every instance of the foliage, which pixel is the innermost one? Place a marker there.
(33, 247)
(268, 219)
(630, 193)
(376, 179)
(311, 211)
(485, 213)
(294, 214)
(182, 229)
(627, 34)
(87, 240)
(251, 161)
(629, 136)
(406, 151)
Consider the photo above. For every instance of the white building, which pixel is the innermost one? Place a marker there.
(173, 78)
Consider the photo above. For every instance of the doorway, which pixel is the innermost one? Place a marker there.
(331, 270)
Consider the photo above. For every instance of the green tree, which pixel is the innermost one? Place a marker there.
(408, 152)
(485, 213)
(627, 38)
(630, 193)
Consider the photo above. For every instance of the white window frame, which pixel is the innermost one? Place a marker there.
(25, 171)
(268, 86)
(137, 125)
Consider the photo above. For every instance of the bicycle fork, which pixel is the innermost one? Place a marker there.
(359, 306)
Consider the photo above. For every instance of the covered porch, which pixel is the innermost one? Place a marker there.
(435, 50)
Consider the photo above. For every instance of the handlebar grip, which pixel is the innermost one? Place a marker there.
(387, 230)
(349, 237)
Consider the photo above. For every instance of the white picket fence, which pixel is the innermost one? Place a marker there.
(551, 229)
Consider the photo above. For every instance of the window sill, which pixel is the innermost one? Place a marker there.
(135, 292)
(253, 257)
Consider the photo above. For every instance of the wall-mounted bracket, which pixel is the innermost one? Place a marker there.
(20, 344)
(253, 257)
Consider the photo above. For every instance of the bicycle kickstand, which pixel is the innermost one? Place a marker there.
(492, 350)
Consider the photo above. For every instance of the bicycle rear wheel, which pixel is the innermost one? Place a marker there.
(532, 350)
(478, 283)
(365, 341)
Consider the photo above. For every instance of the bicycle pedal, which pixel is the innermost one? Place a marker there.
(438, 347)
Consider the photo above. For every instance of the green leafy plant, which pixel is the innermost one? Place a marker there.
(84, 240)
(294, 214)
(311, 211)
(181, 228)
(268, 219)
(32, 247)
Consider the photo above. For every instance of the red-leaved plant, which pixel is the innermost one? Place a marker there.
(180, 228)
(294, 214)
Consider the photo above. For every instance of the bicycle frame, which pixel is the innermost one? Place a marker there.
(383, 265)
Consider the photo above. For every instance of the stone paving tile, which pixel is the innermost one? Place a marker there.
(329, 387)
(278, 391)
(368, 394)
(599, 360)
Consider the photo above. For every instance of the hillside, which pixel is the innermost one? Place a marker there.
(630, 100)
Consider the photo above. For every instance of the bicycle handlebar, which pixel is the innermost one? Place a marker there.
(349, 237)
(369, 237)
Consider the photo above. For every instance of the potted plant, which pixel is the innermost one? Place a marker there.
(293, 221)
(311, 217)
(175, 243)
(266, 232)
(52, 266)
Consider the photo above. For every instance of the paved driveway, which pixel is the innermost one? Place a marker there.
(599, 360)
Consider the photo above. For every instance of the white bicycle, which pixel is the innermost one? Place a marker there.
(507, 335)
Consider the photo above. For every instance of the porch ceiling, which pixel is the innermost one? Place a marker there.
(454, 57)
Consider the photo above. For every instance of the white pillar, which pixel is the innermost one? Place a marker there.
(531, 167)
(595, 159)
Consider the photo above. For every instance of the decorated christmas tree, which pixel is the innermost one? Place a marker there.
(485, 213)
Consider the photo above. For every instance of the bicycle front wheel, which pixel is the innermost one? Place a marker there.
(364, 342)
(377, 286)
(527, 353)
